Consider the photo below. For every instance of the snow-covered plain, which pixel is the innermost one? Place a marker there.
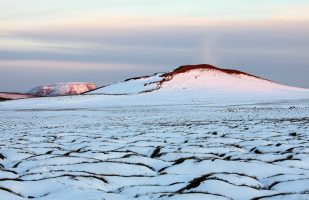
(156, 152)
(199, 135)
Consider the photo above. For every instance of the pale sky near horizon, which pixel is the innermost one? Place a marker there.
(105, 41)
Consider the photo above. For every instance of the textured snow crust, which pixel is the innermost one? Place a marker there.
(156, 152)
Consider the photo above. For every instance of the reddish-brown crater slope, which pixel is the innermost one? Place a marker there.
(186, 68)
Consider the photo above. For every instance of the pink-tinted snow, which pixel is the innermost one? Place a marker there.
(62, 89)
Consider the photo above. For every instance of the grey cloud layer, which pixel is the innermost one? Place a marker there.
(275, 51)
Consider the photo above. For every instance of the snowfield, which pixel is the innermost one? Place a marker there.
(199, 134)
(156, 152)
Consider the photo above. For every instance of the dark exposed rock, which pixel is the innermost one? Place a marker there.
(156, 152)
(293, 134)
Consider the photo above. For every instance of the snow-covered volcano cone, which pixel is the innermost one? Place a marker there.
(223, 85)
(203, 84)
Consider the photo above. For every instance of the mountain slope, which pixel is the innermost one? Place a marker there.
(131, 86)
(206, 83)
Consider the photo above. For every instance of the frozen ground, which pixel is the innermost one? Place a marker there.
(190, 152)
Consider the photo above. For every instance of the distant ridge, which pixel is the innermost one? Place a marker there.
(5, 96)
(62, 89)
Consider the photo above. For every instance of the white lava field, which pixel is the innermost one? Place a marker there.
(156, 152)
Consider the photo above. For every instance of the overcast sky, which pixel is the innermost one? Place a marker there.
(105, 41)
